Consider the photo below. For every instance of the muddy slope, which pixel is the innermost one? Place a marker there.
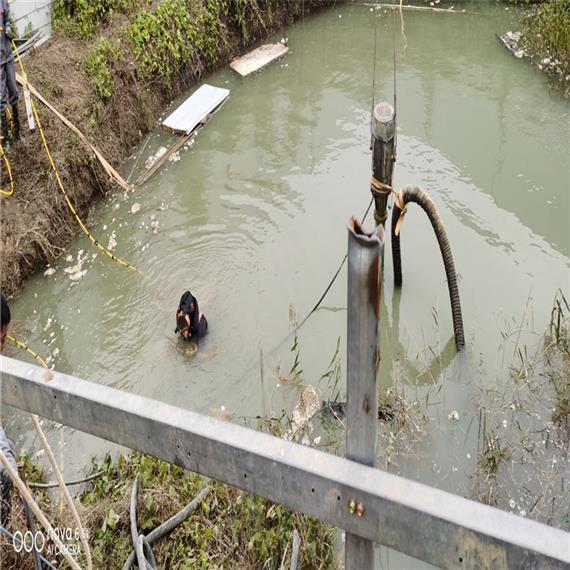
(36, 223)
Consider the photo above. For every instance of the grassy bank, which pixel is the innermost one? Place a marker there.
(111, 67)
(546, 39)
(228, 529)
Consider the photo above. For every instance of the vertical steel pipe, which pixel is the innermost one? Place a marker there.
(363, 360)
(383, 129)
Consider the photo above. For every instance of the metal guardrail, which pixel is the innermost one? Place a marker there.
(426, 523)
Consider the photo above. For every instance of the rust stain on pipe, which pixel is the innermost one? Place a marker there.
(377, 360)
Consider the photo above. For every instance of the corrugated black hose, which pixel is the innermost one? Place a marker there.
(422, 199)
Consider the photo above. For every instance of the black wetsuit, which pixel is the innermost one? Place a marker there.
(188, 310)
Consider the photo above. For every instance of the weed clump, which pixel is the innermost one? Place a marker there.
(546, 37)
(230, 528)
(82, 18)
(98, 62)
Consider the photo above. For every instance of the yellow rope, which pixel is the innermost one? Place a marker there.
(398, 200)
(27, 349)
(60, 184)
(7, 193)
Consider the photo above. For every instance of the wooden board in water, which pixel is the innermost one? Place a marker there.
(258, 58)
(195, 109)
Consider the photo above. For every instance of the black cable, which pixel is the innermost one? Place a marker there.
(53, 484)
(318, 303)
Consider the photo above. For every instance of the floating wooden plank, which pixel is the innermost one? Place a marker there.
(258, 58)
(419, 8)
(195, 109)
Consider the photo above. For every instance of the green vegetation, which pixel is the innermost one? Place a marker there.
(546, 35)
(557, 353)
(493, 455)
(524, 431)
(82, 18)
(101, 55)
(158, 40)
(229, 529)
(166, 38)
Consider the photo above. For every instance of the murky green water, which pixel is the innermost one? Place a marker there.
(252, 219)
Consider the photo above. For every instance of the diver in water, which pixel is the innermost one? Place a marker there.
(190, 323)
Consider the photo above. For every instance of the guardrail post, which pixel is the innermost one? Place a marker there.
(383, 157)
(363, 359)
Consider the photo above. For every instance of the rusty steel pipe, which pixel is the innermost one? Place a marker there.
(363, 359)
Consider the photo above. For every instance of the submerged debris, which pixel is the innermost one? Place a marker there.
(152, 160)
(112, 242)
(175, 157)
(76, 272)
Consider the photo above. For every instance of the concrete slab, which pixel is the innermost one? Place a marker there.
(258, 58)
(195, 109)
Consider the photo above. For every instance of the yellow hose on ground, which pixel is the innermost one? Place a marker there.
(60, 184)
(7, 193)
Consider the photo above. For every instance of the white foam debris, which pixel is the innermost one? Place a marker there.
(175, 157)
(48, 323)
(105, 227)
(152, 160)
(76, 272)
(135, 208)
(112, 241)
(55, 352)
(69, 258)
(309, 404)
(49, 271)
(77, 276)
(154, 226)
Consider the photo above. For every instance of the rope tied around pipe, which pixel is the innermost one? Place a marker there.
(398, 200)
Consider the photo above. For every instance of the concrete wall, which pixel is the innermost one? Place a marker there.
(34, 12)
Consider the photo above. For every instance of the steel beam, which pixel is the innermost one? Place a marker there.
(426, 523)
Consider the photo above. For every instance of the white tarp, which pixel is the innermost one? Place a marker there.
(196, 108)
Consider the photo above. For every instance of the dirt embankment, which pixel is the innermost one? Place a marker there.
(111, 74)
